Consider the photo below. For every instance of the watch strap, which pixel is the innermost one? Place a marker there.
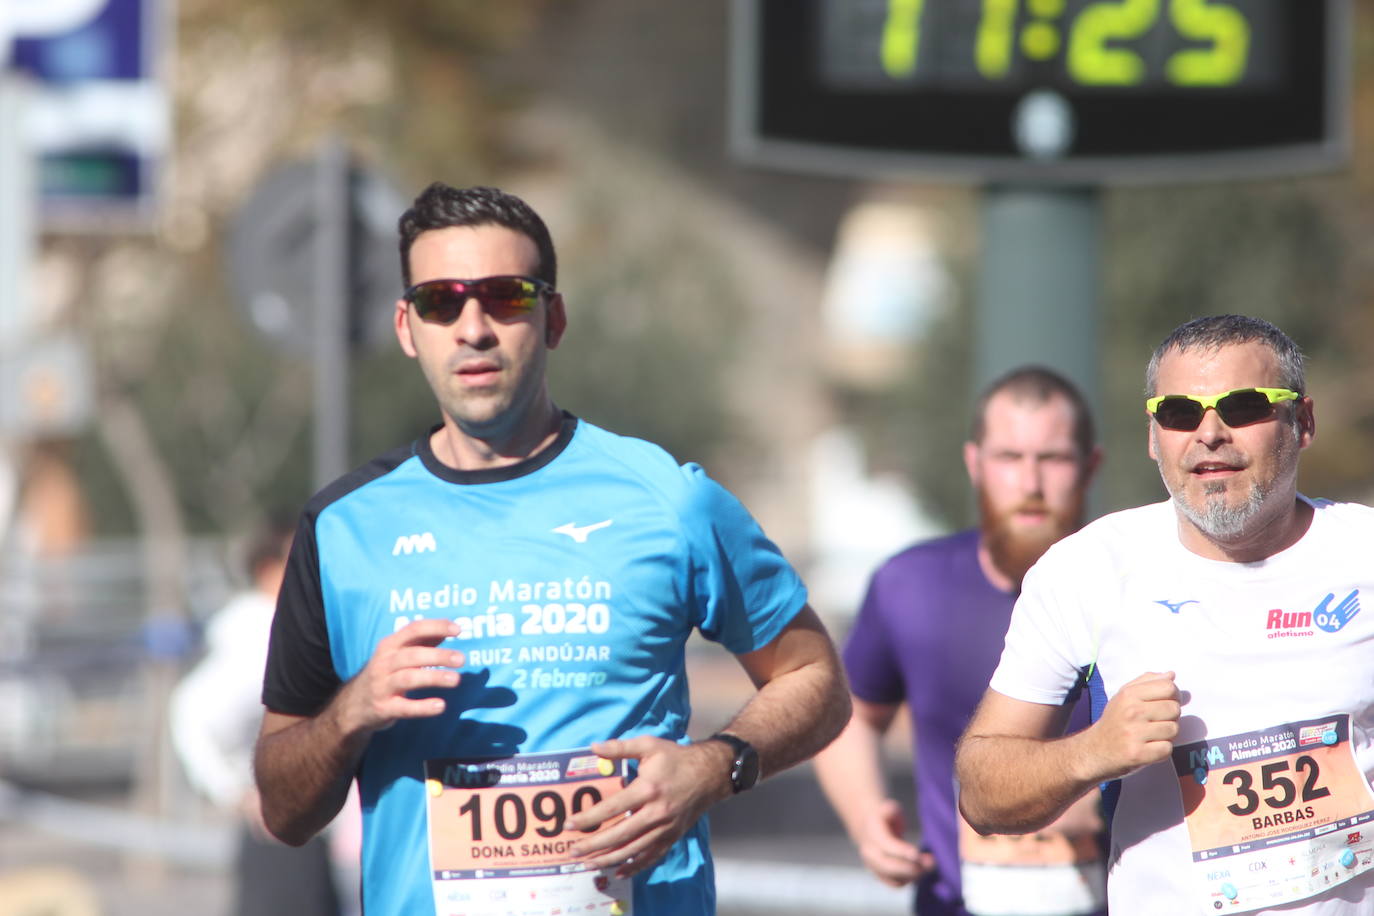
(737, 744)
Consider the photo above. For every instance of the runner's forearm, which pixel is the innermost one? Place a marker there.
(799, 709)
(303, 768)
(850, 773)
(1012, 784)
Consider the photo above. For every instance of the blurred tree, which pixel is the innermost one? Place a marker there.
(412, 85)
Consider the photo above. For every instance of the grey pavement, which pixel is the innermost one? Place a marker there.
(777, 850)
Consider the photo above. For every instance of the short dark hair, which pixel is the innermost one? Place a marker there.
(440, 206)
(1037, 384)
(1216, 331)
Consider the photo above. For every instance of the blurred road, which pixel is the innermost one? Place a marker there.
(778, 848)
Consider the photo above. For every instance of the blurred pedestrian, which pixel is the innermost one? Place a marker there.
(215, 713)
(1231, 667)
(929, 634)
(488, 626)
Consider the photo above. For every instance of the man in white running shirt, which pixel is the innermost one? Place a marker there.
(1231, 668)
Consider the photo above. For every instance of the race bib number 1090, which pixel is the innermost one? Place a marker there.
(1276, 815)
(499, 833)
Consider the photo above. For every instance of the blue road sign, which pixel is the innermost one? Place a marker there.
(100, 119)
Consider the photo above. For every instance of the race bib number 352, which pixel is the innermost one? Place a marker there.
(1275, 815)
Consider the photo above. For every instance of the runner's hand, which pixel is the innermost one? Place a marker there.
(675, 785)
(407, 660)
(884, 849)
(1137, 728)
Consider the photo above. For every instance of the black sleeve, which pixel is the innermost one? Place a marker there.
(300, 678)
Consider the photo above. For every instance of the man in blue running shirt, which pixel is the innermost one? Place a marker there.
(487, 628)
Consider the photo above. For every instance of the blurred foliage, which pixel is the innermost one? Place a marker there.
(414, 88)
(918, 425)
(1270, 249)
(625, 364)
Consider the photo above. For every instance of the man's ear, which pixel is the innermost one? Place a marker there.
(555, 321)
(971, 464)
(1090, 466)
(1307, 422)
(1150, 434)
(401, 322)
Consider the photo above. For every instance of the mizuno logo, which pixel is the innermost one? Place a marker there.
(579, 533)
(1175, 606)
(414, 543)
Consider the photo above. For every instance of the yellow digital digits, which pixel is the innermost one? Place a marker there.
(1091, 61)
(1097, 51)
(993, 45)
(1224, 62)
(901, 37)
(1040, 41)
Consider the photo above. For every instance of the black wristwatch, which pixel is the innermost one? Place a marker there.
(744, 772)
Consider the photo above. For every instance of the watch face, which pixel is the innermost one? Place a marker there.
(746, 770)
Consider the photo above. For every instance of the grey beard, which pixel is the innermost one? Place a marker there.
(1219, 521)
(1214, 518)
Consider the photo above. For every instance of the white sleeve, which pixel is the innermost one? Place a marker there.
(215, 710)
(1052, 635)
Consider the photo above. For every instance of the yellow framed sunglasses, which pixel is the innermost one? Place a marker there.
(1237, 407)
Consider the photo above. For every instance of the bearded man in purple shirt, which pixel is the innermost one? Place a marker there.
(930, 633)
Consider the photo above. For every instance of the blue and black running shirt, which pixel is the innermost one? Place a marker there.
(577, 575)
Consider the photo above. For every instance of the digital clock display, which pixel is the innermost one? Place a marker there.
(1149, 45)
(1053, 90)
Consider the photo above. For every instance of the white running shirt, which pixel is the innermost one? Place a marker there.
(1272, 657)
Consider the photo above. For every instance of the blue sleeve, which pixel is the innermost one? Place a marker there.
(875, 673)
(743, 592)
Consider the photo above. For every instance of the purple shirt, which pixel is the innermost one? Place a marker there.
(930, 632)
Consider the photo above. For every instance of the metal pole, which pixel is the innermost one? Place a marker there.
(1039, 284)
(331, 307)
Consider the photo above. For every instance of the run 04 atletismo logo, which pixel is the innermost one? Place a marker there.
(1282, 624)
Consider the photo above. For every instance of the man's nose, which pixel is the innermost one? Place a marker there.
(1212, 429)
(472, 324)
(1032, 476)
